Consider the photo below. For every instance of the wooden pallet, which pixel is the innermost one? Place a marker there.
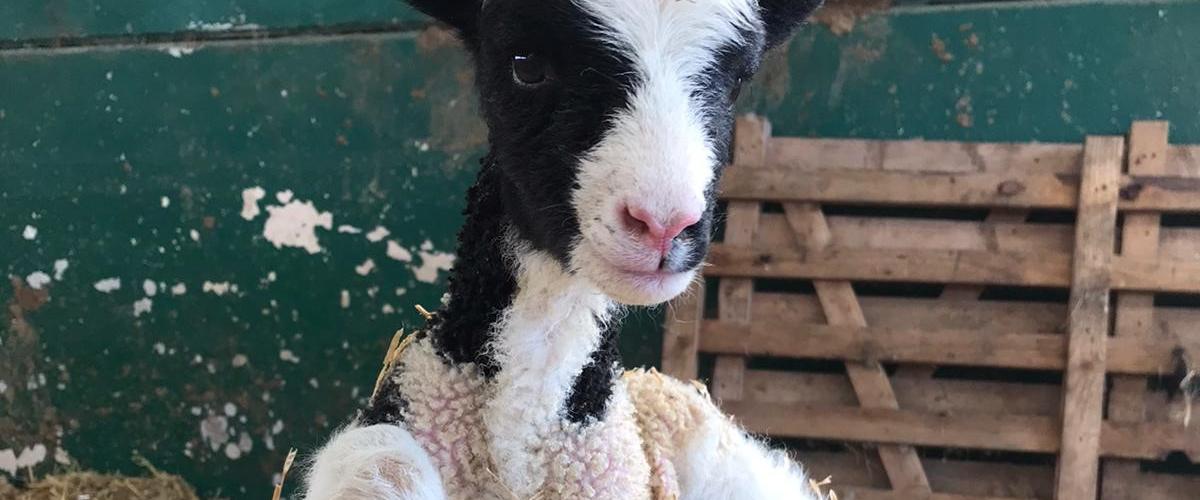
(965, 289)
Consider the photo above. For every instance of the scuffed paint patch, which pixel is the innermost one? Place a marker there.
(150, 288)
(214, 431)
(295, 224)
(365, 268)
(178, 289)
(397, 252)
(347, 229)
(178, 51)
(285, 196)
(142, 306)
(239, 24)
(30, 233)
(289, 356)
(432, 263)
(108, 285)
(219, 289)
(61, 457)
(31, 456)
(345, 299)
(37, 280)
(3, 387)
(60, 267)
(378, 234)
(239, 360)
(166, 202)
(250, 199)
(195, 235)
(8, 461)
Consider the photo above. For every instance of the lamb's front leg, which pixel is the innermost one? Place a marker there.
(377, 462)
(702, 452)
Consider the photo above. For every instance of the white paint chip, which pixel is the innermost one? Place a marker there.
(230, 410)
(166, 202)
(289, 356)
(285, 196)
(160, 348)
(142, 306)
(295, 224)
(346, 229)
(218, 289)
(60, 267)
(232, 451)
(30, 233)
(195, 235)
(365, 268)
(431, 264)
(61, 457)
(239, 360)
(178, 289)
(8, 461)
(31, 456)
(250, 198)
(178, 51)
(37, 280)
(378, 234)
(108, 285)
(150, 287)
(397, 252)
(345, 299)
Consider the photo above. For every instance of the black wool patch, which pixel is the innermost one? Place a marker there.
(482, 283)
(593, 388)
(387, 407)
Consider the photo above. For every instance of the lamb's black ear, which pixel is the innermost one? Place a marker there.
(782, 17)
(462, 15)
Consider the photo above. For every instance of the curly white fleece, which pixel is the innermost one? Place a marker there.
(660, 439)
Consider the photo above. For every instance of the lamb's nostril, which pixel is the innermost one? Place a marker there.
(640, 222)
(679, 225)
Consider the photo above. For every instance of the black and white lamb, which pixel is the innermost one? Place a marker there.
(610, 121)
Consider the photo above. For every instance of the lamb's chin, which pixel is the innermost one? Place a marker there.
(629, 287)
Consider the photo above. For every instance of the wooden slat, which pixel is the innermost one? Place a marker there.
(1126, 481)
(854, 493)
(939, 266)
(967, 189)
(1027, 350)
(1083, 398)
(1140, 236)
(909, 313)
(736, 295)
(855, 471)
(1149, 441)
(1151, 274)
(877, 425)
(681, 333)
(870, 382)
(956, 397)
(806, 154)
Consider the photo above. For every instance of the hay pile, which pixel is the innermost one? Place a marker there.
(92, 486)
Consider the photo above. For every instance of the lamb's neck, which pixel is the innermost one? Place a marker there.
(539, 331)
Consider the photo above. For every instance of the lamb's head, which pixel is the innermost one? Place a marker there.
(610, 121)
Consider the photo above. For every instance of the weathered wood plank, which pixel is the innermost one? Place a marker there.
(681, 333)
(930, 234)
(1027, 350)
(736, 295)
(878, 425)
(1149, 441)
(956, 397)
(939, 189)
(1083, 397)
(938, 266)
(870, 382)
(855, 471)
(923, 156)
(1126, 481)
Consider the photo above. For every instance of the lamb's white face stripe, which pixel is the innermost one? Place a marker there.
(657, 152)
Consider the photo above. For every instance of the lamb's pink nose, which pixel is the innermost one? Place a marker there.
(657, 232)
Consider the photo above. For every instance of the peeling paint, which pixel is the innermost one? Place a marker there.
(37, 280)
(239, 360)
(431, 264)
(294, 225)
(345, 299)
(142, 306)
(150, 288)
(179, 289)
(31, 456)
(366, 267)
(214, 430)
(8, 461)
(178, 51)
(60, 267)
(108, 285)
(250, 199)
(347, 229)
(30, 233)
(397, 252)
(219, 289)
(378, 234)
(195, 235)
(289, 356)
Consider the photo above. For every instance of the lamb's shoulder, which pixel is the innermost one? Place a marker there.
(698, 452)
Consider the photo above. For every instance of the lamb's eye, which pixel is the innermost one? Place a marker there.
(530, 70)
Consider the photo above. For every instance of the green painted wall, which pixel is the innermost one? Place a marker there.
(130, 162)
